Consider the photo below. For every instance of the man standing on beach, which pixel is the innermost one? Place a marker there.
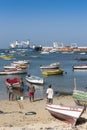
(31, 92)
(11, 94)
(49, 94)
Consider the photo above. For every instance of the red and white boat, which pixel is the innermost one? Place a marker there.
(16, 82)
(67, 114)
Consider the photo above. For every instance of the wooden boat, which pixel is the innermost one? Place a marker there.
(44, 52)
(9, 57)
(34, 79)
(67, 114)
(16, 66)
(80, 97)
(82, 67)
(16, 82)
(9, 67)
(21, 62)
(51, 66)
(52, 72)
(13, 71)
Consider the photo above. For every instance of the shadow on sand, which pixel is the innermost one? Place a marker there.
(80, 121)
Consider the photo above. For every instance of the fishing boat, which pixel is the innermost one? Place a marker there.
(80, 97)
(52, 72)
(16, 66)
(9, 67)
(16, 82)
(21, 62)
(34, 79)
(51, 66)
(81, 67)
(64, 113)
(13, 71)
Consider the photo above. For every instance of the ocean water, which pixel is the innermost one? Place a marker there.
(60, 83)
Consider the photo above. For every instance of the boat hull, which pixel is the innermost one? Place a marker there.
(34, 79)
(81, 67)
(16, 82)
(51, 66)
(52, 72)
(13, 72)
(80, 97)
(66, 114)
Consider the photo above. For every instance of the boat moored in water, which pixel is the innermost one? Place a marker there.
(21, 62)
(81, 67)
(51, 66)
(13, 71)
(34, 79)
(53, 72)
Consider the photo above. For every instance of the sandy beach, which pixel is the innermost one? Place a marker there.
(13, 115)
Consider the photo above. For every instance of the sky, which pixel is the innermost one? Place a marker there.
(43, 22)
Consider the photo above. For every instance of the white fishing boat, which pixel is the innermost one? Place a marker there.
(81, 67)
(34, 79)
(9, 67)
(67, 114)
(16, 66)
(21, 62)
(44, 52)
(51, 66)
(13, 71)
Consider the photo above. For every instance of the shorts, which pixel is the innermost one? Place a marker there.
(31, 93)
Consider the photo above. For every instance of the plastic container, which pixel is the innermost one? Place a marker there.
(21, 98)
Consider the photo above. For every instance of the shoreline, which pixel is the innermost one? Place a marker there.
(14, 117)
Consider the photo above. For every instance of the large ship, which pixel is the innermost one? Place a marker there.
(22, 44)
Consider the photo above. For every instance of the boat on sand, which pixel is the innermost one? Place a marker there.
(80, 97)
(64, 113)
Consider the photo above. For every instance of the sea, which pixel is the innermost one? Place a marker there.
(61, 84)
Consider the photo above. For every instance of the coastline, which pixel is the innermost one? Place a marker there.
(14, 117)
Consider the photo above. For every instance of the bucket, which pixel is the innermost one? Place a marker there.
(21, 98)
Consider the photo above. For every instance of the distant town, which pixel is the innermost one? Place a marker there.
(57, 47)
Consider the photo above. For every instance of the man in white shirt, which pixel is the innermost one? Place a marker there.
(49, 94)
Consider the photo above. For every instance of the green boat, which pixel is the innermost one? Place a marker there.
(80, 97)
